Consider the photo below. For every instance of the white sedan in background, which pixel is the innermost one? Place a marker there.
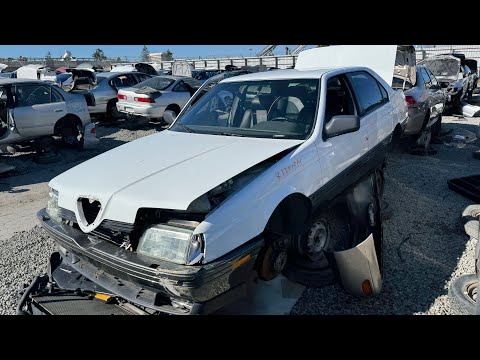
(152, 97)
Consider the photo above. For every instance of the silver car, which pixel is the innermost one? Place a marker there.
(152, 97)
(451, 76)
(426, 102)
(104, 87)
(31, 109)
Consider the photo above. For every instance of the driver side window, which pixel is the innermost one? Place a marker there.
(29, 95)
(339, 99)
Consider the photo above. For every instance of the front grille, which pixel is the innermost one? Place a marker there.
(109, 230)
(90, 209)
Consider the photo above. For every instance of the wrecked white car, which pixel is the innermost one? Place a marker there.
(286, 175)
(31, 109)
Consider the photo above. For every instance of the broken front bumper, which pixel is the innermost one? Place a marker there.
(160, 286)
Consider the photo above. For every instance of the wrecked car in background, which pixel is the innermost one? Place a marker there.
(423, 94)
(451, 76)
(473, 66)
(152, 97)
(31, 109)
(104, 87)
(287, 178)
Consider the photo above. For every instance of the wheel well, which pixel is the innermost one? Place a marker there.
(291, 216)
(174, 107)
(110, 103)
(65, 121)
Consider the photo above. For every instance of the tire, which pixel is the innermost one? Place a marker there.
(328, 231)
(471, 228)
(174, 108)
(460, 294)
(471, 212)
(112, 112)
(71, 133)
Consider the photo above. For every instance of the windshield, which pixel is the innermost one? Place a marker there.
(157, 83)
(273, 109)
(442, 67)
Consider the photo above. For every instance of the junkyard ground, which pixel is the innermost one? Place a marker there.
(425, 245)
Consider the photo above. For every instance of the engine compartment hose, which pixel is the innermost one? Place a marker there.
(25, 295)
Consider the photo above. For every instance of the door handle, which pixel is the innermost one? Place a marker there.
(58, 110)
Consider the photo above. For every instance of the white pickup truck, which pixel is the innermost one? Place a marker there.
(276, 179)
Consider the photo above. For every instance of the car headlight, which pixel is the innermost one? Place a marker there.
(172, 243)
(53, 210)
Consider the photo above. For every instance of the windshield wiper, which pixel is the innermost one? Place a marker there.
(230, 134)
(186, 128)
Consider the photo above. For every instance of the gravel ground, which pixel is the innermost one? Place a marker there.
(424, 242)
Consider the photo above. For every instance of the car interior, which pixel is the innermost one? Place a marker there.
(339, 99)
(282, 107)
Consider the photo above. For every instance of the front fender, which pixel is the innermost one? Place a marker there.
(245, 214)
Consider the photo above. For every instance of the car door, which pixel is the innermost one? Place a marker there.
(37, 109)
(437, 95)
(341, 152)
(180, 94)
(373, 106)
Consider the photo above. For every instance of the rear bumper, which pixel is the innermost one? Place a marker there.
(145, 110)
(414, 121)
(160, 286)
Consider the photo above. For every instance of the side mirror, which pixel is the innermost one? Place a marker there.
(169, 116)
(342, 124)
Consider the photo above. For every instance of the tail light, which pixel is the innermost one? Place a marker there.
(410, 100)
(93, 131)
(146, 100)
(121, 97)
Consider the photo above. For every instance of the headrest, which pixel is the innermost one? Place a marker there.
(262, 101)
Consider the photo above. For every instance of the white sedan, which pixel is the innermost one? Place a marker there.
(152, 97)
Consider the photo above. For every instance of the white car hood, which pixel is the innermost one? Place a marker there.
(167, 171)
(379, 58)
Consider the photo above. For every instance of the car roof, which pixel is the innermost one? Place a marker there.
(281, 75)
(8, 81)
(173, 77)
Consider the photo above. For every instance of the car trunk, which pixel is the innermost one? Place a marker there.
(83, 79)
(405, 65)
(146, 69)
(132, 93)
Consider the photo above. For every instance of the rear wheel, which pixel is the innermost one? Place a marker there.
(112, 111)
(70, 130)
(174, 108)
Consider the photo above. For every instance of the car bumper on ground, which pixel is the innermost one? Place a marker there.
(146, 110)
(414, 121)
(163, 287)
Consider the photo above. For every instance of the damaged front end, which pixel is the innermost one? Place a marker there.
(86, 265)
(155, 266)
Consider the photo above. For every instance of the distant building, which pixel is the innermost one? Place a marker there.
(156, 57)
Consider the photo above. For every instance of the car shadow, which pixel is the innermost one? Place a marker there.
(28, 172)
(423, 240)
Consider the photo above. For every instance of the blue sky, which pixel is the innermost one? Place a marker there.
(179, 51)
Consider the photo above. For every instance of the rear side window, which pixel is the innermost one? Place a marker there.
(369, 92)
